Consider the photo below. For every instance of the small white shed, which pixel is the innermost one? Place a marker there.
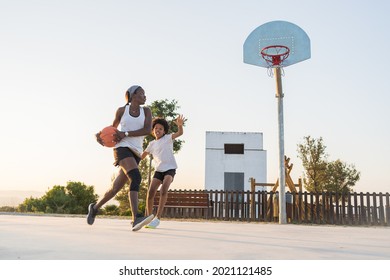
(232, 158)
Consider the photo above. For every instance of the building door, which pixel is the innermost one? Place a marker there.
(233, 181)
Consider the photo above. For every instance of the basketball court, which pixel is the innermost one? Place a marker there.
(67, 248)
(25, 237)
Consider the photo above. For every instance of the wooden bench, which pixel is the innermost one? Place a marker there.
(185, 204)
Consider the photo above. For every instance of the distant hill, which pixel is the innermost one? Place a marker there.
(14, 198)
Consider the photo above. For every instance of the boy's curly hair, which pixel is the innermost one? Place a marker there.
(161, 121)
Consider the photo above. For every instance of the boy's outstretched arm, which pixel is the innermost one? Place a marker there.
(179, 122)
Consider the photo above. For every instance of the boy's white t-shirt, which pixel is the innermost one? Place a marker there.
(162, 152)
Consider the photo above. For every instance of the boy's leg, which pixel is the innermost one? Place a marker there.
(151, 194)
(164, 194)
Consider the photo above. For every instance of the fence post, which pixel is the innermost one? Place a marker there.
(356, 219)
(265, 206)
(311, 207)
(350, 210)
(368, 209)
(300, 202)
(220, 208)
(252, 199)
(271, 206)
(306, 219)
(318, 209)
(374, 210)
(387, 209)
(362, 210)
(381, 210)
(337, 201)
(258, 206)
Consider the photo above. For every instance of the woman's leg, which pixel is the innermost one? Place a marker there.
(129, 167)
(117, 185)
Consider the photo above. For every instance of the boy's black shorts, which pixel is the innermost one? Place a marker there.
(160, 175)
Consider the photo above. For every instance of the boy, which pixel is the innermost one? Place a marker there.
(165, 164)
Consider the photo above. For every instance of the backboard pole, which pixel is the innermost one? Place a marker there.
(282, 172)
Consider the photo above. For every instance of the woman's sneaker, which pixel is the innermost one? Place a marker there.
(140, 221)
(91, 214)
(153, 224)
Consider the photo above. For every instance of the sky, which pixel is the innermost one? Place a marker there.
(65, 67)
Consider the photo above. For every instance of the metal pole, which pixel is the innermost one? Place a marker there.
(282, 172)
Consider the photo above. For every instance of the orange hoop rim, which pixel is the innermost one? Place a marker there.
(282, 52)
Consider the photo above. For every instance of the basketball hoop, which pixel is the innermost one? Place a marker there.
(275, 55)
(273, 41)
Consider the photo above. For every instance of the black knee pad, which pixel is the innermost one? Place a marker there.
(135, 177)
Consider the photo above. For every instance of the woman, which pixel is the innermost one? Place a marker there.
(135, 123)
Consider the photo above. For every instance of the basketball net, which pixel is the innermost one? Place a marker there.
(270, 71)
(274, 56)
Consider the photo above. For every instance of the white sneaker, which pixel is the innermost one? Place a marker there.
(154, 223)
(141, 221)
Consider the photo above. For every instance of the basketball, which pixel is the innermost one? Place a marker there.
(107, 135)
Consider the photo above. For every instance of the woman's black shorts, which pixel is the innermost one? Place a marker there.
(124, 152)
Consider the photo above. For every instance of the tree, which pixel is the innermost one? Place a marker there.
(314, 161)
(80, 196)
(164, 109)
(72, 199)
(341, 177)
(56, 200)
(320, 174)
(111, 210)
(8, 209)
(32, 205)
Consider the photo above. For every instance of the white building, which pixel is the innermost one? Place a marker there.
(232, 158)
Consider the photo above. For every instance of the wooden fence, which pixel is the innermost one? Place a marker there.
(369, 209)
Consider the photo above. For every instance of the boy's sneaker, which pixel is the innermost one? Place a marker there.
(140, 221)
(154, 223)
(91, 214)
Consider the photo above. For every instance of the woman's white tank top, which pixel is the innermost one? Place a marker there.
(130, 123)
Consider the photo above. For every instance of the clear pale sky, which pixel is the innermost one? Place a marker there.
(65, 66)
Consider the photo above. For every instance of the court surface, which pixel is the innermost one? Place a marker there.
(26, 237)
